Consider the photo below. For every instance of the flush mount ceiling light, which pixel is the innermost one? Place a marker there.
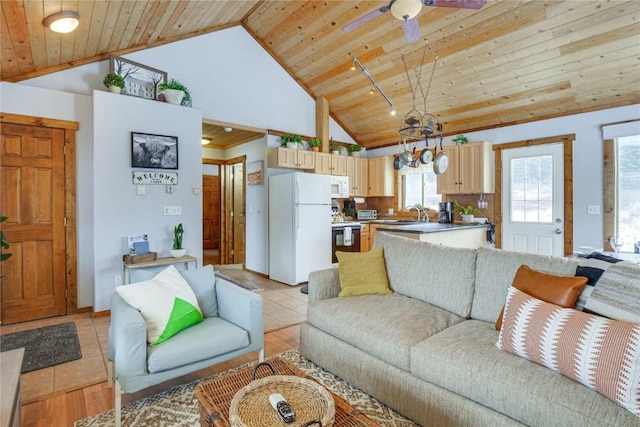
(406, 9)
(62, 22)
(206, 141)
(228, 129)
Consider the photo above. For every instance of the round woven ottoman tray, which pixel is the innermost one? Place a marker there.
(250, 407)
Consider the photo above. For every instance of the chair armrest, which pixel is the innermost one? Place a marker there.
(324, 284)
(128, 336)
(241, 307)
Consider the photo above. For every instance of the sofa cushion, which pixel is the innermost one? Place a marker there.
(212, 337)
(592, 266)
(617, 293)
(166, 302)
(465, 360)
(553, 288)
(494, 274)
(385, 326)
(600, 353)
(362, 273)
(437, 274)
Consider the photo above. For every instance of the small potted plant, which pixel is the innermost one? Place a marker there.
(335, 148)
(467, 212)
(460, 139)
(174, 92)
(177, 250)
(114, 82)
(314, 143)
(354, 150)
(291, 141)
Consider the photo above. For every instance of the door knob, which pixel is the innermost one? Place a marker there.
(558, 231)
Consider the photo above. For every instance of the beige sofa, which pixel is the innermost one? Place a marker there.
(429, 349)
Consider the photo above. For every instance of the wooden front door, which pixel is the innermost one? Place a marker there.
(32, 195)
(210, 211)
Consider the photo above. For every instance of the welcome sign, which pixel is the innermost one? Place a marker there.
(163, 178)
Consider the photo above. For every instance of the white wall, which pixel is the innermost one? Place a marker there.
(588, 230)
(32, 101)
(119, 211)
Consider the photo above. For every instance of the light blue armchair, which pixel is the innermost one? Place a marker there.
(232, 326)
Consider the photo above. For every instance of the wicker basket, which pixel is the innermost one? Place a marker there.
(140, 258)
(250, 407)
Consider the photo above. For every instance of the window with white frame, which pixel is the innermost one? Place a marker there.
(419, 186)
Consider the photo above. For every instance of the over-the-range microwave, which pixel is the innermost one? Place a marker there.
(339, 187)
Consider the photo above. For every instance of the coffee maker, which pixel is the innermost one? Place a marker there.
(349, 208)
(446, 213)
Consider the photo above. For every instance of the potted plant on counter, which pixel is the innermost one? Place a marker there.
(354, 150)
(291, 141)
(314, 143)
(114, 82)
(174, 92)
(467, 212)
(177, 250)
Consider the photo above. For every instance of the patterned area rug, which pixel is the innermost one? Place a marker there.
(178, 406)
(44, 347)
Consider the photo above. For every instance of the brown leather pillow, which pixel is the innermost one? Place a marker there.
(551, 288)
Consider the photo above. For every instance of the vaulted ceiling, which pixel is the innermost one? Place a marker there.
(509, 62)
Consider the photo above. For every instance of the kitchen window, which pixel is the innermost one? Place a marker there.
(419, 187)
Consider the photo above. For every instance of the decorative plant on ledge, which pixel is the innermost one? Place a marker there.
(460, 139)
(295, 140)
(178, 231)
(114, 81)
(314, 143)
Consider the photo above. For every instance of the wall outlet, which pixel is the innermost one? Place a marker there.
(117, 280)
(593, 210)
(172, 210)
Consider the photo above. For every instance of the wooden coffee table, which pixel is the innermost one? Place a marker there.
(214, 396)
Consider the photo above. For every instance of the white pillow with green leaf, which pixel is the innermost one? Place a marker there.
(166, 302)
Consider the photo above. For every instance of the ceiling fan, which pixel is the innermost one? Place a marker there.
(407, 11)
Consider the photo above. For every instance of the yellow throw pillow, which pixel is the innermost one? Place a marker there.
(362, 273)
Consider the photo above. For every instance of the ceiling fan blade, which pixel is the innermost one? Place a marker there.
(365, 18)
(460, 4)
(411, 30)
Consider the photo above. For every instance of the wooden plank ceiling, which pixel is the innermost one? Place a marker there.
(509, 62)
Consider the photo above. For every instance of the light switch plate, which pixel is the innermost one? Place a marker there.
(593, 210)
(142, 190)
(172, 210)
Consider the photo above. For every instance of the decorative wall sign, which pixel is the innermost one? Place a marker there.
(163, 178)
(154, 151)
(139, 80)
(255, 173)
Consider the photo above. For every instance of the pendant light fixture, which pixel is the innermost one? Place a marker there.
(62, 22)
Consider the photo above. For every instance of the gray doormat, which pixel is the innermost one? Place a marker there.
(44, 347)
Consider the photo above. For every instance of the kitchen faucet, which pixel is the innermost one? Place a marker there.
(421, 212)
(417, 210)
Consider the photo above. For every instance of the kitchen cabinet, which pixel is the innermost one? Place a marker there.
(293, 158)
(373, 230)
(381, 177)
(364, 238)
(470, 171)
(358, 173)
(331, 164)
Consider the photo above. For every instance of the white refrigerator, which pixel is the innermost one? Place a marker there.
(299, 226)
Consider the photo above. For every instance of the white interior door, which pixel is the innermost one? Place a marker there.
(533, 199)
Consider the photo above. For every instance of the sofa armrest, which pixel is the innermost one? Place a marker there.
(324, 284)
(241, 307)
(128, 337)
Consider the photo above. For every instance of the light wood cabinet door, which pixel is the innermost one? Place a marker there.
(380, 177)
(323, 163)
(361, 177)
(448, 182)
(351, 174)
(364, 238)
(338, 164)
(287, 157)
(306, 159)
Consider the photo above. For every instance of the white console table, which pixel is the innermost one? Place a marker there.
(157, 263)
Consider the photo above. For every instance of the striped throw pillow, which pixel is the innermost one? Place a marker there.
(592, 266)
(606, 353)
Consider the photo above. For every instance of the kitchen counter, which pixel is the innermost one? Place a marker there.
(456, 235)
